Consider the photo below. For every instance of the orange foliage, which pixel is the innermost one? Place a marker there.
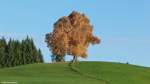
(71, 35)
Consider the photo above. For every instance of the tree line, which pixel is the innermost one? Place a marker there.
(15, 52)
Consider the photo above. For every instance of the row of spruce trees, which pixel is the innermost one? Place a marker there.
(15, 52)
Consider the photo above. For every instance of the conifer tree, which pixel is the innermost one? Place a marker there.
(40, 56)
(17, 52)
(23, 53)
(2, 51)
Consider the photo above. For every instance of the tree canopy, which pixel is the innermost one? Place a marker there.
(72, 35)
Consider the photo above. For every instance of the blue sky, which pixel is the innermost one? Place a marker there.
(123, 25)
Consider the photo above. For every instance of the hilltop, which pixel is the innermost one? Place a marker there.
(79, 73)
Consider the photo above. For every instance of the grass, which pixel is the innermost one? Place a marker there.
(79, 73)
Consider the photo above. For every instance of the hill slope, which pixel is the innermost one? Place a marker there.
(79, 73)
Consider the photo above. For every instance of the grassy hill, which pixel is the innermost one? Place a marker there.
(79, 73)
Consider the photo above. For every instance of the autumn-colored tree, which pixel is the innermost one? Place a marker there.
(71, 36)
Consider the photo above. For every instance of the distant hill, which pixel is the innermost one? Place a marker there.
(79, 73)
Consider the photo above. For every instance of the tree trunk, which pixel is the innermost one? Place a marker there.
(74, 59)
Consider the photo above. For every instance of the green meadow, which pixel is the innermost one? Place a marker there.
(78, 73)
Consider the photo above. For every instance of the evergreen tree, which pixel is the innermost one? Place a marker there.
(2, 51)
(10, 53)
(16, 53)
(28, 50)
(40, 56)
(23, 53)
(34, 51)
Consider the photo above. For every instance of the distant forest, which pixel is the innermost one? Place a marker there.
(15, 52)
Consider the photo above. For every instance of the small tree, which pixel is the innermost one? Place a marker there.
(40, 57)
(71, 36)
